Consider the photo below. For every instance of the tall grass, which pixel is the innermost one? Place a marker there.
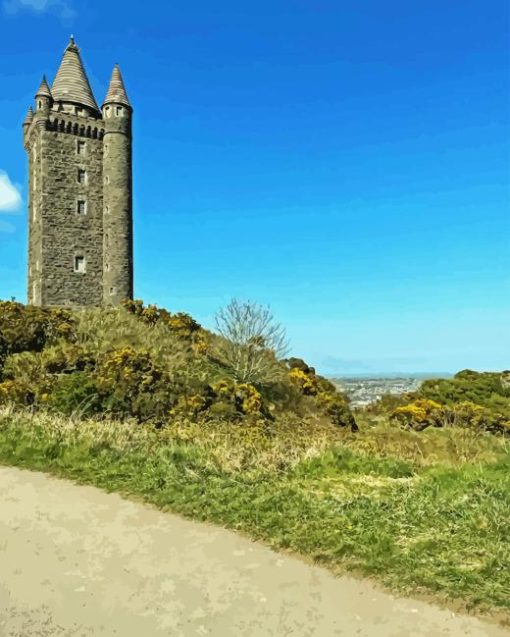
(424, 512)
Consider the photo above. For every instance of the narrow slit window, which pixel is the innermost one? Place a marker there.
(81, 147)
(82, 176)
(113, 291)
(119, 110)
(79, 264)
(81, 207)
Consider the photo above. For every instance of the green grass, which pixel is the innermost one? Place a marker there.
(423, 513)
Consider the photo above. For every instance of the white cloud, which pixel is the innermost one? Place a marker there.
(10, 197)
(62, 8)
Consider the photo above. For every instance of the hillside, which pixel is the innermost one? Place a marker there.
(148, 403)
(149, 365)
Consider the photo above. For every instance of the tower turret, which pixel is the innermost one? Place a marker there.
(117, 193)
(43, 104)
(29, 117)
(43, 98)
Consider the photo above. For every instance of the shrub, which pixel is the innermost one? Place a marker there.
(182, 324)
(132, 385)
(419, 415)
(306, 383)
(471, 415)
(30, 328)
(299, 363)
(387, 403)
(67, 358)
(75, 393)
(27, 371)
(16, 391)
(335, 406)
(3, 354)
(481, 388)
(242, 398)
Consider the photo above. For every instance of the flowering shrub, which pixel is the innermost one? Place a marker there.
(327, 398)
(419, 414)
(200, 342)
(244, 398)
(29, 328)
(66, 358)
(468, 414)
(306, 383)
(3, 354)
(183, 325)
(335, 406)
(16, 391)
(131, 384)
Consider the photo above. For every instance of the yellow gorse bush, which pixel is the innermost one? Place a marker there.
(419, 414)
(306, 383)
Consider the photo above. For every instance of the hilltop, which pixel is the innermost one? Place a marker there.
(150, 365)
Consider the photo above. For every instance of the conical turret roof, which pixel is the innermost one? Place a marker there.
(44, 89)
(116, 91)
(71, 83)
(29, 116)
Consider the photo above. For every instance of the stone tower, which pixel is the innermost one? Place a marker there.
(80, 248)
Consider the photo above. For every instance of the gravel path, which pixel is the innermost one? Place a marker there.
(75, 561)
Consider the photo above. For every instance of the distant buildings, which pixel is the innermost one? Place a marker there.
(363, 391)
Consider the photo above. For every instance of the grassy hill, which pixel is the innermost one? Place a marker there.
(149, 365)
(148, 403)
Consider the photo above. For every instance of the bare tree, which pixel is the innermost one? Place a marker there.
(252, 342)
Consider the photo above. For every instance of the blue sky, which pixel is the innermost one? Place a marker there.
(345, 162)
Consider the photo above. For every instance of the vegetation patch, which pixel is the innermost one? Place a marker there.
(414, 490)
(419, 524)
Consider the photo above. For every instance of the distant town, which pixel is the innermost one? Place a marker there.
(365, 390)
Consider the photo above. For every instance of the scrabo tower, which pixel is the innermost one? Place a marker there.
(80, 190)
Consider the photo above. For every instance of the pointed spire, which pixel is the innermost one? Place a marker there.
(44, 89)
(71, 83)
(29, 117)
(116, 91)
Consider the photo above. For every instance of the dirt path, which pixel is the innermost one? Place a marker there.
(75, 561)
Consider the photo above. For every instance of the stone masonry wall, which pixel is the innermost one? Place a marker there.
(35, 226)
(117, 192)
(65, 233)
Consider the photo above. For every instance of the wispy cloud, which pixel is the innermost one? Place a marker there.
(10, 200)
(61, 8)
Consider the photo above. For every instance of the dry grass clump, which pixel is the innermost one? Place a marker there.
(452, 446)
(251, 445)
